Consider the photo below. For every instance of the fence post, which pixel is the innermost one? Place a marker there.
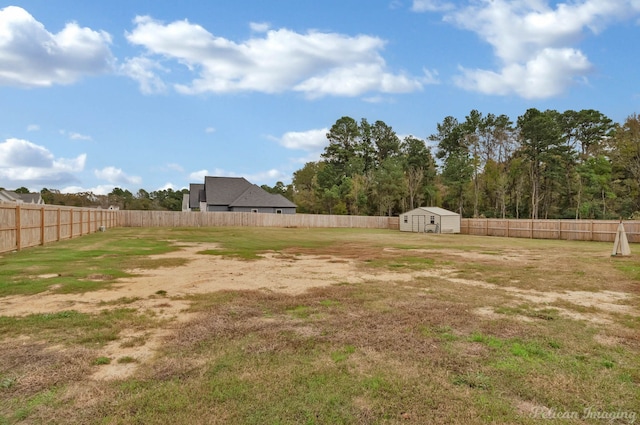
(531, 233)
(59, 220)
(560, 229)
(42, 217)
(18, 228)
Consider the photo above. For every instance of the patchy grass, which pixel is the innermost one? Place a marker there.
(79, 265)
(373, 352)
(72, 328)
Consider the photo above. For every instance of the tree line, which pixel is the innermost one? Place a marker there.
(546, 164)
(165, 199)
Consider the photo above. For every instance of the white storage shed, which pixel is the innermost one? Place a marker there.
(430, 220)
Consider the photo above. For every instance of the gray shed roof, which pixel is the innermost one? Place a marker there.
(436, 211)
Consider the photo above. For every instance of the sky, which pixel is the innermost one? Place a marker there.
(158, 94)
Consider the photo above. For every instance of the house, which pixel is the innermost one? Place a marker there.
(236, 194)
(430, 220)
(21, 198)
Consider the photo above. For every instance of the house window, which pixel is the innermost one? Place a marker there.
(278, 211)
(406, 218)
(254, 210)
(433, 220)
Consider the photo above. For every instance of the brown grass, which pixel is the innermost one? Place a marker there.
(457, 342)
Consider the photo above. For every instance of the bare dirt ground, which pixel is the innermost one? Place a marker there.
(279, 272)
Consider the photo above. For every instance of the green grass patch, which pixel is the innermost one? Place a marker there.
(127, 360)
(102, 360)
(343, 354)
(529, 311)
(300, 312)
(402, 263)
(79, 265)
(631, 269)
(71, 327)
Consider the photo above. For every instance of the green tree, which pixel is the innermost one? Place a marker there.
(540, 133)
(120, 197)
(419, 170)
(344, 140)
(595, 175)
(387, 143)
(389, 186)
(450, 138)
(48, 196)
(586, 131)
(456, 174)
(305, 188)
(458, 167)
(624, 152)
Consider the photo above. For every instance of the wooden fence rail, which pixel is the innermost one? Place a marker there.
(583, 230)
(211, 219)
(27, 225)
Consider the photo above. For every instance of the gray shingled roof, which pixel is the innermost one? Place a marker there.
(195, 196)
(257, 197)
(224, 190)
(27, 198)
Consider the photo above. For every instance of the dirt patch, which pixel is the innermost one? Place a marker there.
(603, 303)
(161, 291)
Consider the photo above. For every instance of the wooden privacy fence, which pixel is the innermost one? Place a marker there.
(582, 230)
(211, 219)
(27, 225)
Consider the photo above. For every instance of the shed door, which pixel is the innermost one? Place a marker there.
(417, 223)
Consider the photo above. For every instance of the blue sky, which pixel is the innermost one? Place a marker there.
(153, 94)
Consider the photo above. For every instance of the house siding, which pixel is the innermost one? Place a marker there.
(271, 210)
(217, 208)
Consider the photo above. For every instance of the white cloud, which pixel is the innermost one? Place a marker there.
(314, 63)
(78, 136)
(267, 177)
(210, 130)
(33, 127)
(431, 6)
(96, 190)
(198, 176)
(260, 26)
(116, 176)
(310, 140)
(31, 56)
(545, 75)
(175, 167)
(143, 70)
(264, 177)
(24, 163)
(534, 42)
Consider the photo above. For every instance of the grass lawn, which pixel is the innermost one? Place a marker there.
(462, 329)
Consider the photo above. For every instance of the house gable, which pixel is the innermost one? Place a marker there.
(257, 197)
(196, 195)
(20, 198)
(236, 194)
(222, 191)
